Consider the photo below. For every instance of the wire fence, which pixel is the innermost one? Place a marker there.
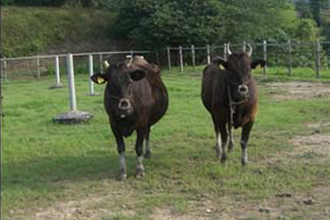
(299, 59)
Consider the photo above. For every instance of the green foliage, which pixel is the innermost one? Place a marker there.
(28, 31)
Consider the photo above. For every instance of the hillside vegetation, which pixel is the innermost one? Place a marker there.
(31, 30)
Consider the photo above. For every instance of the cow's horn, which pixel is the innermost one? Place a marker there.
(228, 49)
(106, 64)
(250, 50)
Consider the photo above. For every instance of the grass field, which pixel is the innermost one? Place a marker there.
(52, 171)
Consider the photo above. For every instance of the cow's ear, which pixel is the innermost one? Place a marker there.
(255, 63)
(220, 62)
(100, 78)
(137, 75)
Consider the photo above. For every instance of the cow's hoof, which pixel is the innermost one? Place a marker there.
(139, 173)
(223, 159)
(244, 162)
(122, 177)
(147, 155)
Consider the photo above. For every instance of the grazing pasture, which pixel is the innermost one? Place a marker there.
(53, 171)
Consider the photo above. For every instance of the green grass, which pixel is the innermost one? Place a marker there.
(45, 163)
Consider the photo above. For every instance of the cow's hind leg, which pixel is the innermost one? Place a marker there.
(244, 141)
(139, 152)
(147, 153)
(122, 161)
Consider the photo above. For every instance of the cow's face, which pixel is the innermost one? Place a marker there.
(238, 72)
(120, 78)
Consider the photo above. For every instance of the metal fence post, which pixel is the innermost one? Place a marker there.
(169, 58)
(181, 59)
(73, 116)
(101, 63)
(318, 58)
(244, 46)
(91, 72)
(225, 51)
(265, 56)
(72, 90)
(193, 57)
(4, 75)
(290, 57)
(208, 51)
(58, 83)
(38, 67)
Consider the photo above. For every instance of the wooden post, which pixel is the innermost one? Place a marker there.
(265, 56)
(193, 57)
(208, 51)
(38, 67)
(318, 58)
(181, 59)
(169, 58)
(290, 57)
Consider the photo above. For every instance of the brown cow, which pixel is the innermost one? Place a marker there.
(135, 98)
(231, 97)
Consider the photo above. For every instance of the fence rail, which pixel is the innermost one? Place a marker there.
(289, 58)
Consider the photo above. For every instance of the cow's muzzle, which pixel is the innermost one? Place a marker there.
(243, 90)
(125, 107)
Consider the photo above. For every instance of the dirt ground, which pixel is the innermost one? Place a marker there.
(298, 90)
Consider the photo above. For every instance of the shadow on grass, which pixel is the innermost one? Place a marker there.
(43, 172)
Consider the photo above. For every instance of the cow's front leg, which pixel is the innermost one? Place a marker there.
(231, 144)
(139, 153)
(147, 153)
(223, 141)
(122, 161)
(244, 141)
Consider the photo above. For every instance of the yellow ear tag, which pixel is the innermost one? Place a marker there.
(100, 80)
(221, 67)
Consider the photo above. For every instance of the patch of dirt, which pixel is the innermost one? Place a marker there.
(298, 90)
(317, 143)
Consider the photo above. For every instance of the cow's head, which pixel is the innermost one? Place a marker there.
(238, 74)
(119, 78)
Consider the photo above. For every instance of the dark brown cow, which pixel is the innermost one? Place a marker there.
(135, 98)
(231, 97)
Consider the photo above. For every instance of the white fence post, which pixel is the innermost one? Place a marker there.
(225, 51)
(38, 67)
(265, 55)
(290, 57)
(208, 50)
(244, 46)
(58, 83)
(101, 63)
(4, 74)
(181, 59)
(169, 58)
(318, 58)
(193, 57)
(91, 73)
(72, 89)
(73, 116)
